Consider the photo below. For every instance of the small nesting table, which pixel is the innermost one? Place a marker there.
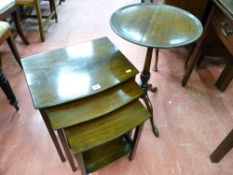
(88, 94)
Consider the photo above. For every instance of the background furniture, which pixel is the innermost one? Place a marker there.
(9, 8)
(225, 146)
(61, 1)
(5, 34)
(39, 16)
(5, 85)
(221, 21)
(199, 8)
(196, 7)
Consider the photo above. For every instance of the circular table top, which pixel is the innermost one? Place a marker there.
(156, 25)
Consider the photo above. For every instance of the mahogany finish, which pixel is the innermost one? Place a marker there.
(71, 73)
(101, 141)
(96, 132)
(78, 111)
(156, 25)
(80, 84)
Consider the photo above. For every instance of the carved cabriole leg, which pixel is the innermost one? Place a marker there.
(66, 149)
(52, 134)
(149, 107)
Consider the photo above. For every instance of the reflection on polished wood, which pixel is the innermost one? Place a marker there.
(156, 25)
(75, 72)
(96, 132)
(93, 107)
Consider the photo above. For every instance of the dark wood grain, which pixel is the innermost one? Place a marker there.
(72, 73)
(95, 106)
(156, 25)
(106, 128)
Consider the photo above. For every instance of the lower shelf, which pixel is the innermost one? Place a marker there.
(107, 153)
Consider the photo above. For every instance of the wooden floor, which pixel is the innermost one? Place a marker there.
(192, 120)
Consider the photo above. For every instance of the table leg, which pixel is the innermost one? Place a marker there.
(145, 75)
(66, 149)
(150, 109)
(225, 77)
(223, 148)
(156, 60)
(136, 138)
(52, 134)
(195, 56)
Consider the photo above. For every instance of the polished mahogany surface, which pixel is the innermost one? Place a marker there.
(67, 74)
(156, 25)
(95, 106)
(106, 128)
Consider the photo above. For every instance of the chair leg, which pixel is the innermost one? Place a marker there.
(5, 85)
(14, 49)
(39, 19)
(156, 60)
(15, 16)
(53, 8)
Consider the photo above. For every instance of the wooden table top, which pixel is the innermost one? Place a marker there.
(67, 74)
(156, 25)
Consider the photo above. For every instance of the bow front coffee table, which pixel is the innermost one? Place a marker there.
(155, 26)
